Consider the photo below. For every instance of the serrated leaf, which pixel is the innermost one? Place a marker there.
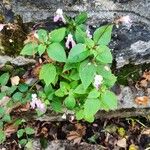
(109, 99)
(78, 53)
(80, 89)
(2, 136)
(42, 35)
(102, 35)
(23, 87)
(57, 35)
(29, 49)
(41, 49)
(94, 94)
(91, 107)
(56, 52)
(70, 102)
(86, 73)
(20, 133)
(104, 55)
(80, 114)
(17, 96)
(81, 18)
(29, 130)
(56, 105)
(4, 79)
(48, 73)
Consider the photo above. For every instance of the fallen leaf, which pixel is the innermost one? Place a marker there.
(76, 136)
(122, 143)
(15, 80)
(143, 100)
(22, 108)
(146, 75)
(10, 129)
(146, 131)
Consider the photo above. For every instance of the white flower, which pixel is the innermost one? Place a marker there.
(70, 41)
(36, 102)
(88, 33)
(126, 20)
(59, 16)
(98, 79)
(2, 26)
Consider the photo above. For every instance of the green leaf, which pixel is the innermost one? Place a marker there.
(6, 118)
(17, 96)
(104, 55)
(80, 89)
(4, 79)
(23, 87)
(65, 87)
(2, 94)
(2, 111)
(80, 35)
(80, 114)
(2, 136)
(59, 93)
(56, 105)
(29, 49)
(109, 99)
(74, 75)
(20, 133)
(94, 94)
(41, 49)
(86, 73)
(56, 52)
(42, 35)
(29, 130)
(78, 53)
(69, 66)
(57, 35)
(11, 90)
(81, 18)
(48, 73)
(91, 106)
(70, 102)
(89, 42)
(102, 35)
(23, 142)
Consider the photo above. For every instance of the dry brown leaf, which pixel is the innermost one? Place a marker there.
(146, 131)
(15, 80)
(76, 136)
(122, 143)
(143, 100)
(22, 108)
(10, 129)
(146, 75)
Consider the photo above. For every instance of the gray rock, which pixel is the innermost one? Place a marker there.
(18, 61)
(125, 41)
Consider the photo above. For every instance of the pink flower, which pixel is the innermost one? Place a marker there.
(70, 41)
(126, 20)
(88, 33)
(97, 81)
(36, 102)
(2, 26)
(59, 16)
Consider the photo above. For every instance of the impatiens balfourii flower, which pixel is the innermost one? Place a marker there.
(59, 16)
(88, 33)
(37, 103)
(2, 26)
(125, 20)
(98, 79)
(70, 41)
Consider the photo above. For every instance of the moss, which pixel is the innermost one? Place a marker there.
(130, 73)
(11, 39)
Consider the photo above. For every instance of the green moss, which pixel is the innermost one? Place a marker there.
(130, 73)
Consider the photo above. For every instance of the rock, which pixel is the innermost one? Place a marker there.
(130, 45)
(18, 61)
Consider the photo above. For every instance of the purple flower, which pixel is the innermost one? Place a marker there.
(126, 20)
(97, 81)
(70, 41)
(59, 16)
(37, 103)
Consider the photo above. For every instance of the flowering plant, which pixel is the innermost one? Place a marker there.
(76, 74)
